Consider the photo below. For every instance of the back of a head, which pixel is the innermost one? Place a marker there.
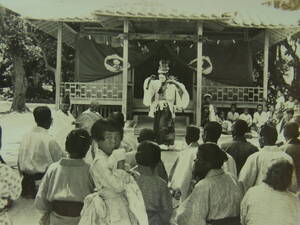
(212, 131)
(239, 128)
(269, 134)
(103, 125)
(291, 130)
(147, 134)
(78, 143)
(192, 133)
(290, 111)
(279, 175)
(118, 117)
(94, 103)
(148, 154)
(42, 115)
(210, 152)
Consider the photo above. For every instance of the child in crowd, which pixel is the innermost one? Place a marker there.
(66, 183)
(211, 134)
(147, 134)
(232, 115)
(246, 117)
(279, 100)
(211, 109)
(155, 190)
(226, 124)
(38, 150)
(118, 200)
(290, 103)
(181, 173)
(10, 190)
(271, 115)
(128, 141)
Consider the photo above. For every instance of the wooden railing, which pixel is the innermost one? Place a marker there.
(245, 95)
(84, 93)
(110, 93)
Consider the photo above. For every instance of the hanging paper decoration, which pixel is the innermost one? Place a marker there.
(177, 49)
(145, 49)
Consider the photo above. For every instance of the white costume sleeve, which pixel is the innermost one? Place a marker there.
(147, 93)
(185, 97)
(150, 90)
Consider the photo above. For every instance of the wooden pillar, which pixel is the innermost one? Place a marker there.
(125, 70)
(266, 66)
(58, 65)
(199, 76)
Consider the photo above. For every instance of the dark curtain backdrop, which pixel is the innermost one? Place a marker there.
(232, 63)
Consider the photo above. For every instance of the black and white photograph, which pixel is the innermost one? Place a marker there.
(149, 112)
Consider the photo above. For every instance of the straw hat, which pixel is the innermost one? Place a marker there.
(207, 95)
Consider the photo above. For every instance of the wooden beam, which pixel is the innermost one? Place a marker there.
(58, 65)
(125, 70)
(173, 37)
(70, 28)
(199, 76)
(77, 52)
(266, 65)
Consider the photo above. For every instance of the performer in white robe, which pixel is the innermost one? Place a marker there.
(164, 95)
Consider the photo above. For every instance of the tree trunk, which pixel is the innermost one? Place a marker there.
(20, 86)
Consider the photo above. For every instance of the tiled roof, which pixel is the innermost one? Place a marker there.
(241, 13)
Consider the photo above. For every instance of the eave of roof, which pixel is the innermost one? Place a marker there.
(236, 13)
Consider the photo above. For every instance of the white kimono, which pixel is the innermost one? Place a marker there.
(174, 97)
(10, 188)
(118, 200)
(182, 176)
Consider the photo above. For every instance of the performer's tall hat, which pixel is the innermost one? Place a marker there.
(163, 66)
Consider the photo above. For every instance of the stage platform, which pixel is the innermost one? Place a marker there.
(144, 121)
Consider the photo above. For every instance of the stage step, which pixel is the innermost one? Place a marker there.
(143, 121)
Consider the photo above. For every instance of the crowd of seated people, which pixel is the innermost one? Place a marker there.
(103, 175)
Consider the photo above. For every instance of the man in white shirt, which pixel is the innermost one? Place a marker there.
(212, 133)
(182, 172)
(260, 117)
(246, 117)
(94, 107)
(232, 115)
(63, 122)
(257, 164)
(37, 151)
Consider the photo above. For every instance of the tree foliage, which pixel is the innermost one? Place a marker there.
(28, 59)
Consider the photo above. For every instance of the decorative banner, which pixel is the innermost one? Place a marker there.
(207, 66)
(229, 63)
(114, 63)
